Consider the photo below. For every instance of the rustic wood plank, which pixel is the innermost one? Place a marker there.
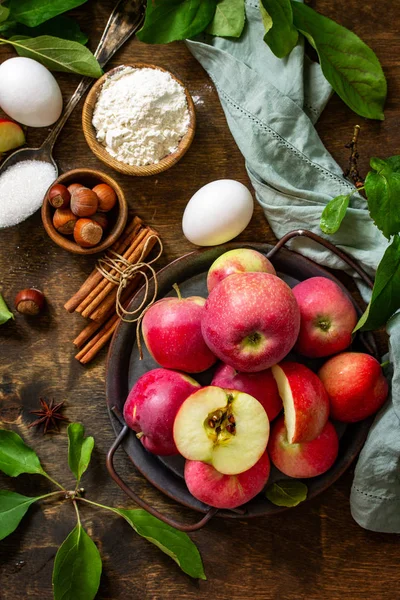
(310, 552)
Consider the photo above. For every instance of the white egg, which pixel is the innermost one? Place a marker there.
(217, 212)
(29, 93)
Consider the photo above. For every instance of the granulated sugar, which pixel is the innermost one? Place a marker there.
(141, 115)
(22, 189)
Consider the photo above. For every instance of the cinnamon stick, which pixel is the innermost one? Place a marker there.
(89, 351)
(103, 289)
(110, 299)
(103, 282)
(95, 277)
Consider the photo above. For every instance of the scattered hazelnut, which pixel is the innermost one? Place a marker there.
(107, 197)
(59, 196)
(64, 221)
(101, 219)
(84, 202)
(74, 186)
(29, 302)
(87, 233)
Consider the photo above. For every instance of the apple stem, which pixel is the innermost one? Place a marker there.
(385, 364)
(139, 435)
(178, 291)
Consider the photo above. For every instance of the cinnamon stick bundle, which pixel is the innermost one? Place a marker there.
(96, 298)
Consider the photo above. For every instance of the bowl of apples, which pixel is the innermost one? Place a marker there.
(249, 375)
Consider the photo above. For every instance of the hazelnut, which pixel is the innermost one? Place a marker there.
(74, 186)
(87, 233)
(64, 221)
(59, 196)
(101, 219)
(107, 197)
(84, 202)
(29, 302)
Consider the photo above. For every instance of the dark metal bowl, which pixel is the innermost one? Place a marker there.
(124, 367)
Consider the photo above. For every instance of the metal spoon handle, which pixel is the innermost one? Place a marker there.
(125, 19)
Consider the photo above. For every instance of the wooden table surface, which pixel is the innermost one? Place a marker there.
(314, 551)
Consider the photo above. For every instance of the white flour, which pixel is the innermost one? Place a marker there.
(141, 115)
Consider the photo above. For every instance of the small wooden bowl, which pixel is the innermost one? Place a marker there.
(99, 150)
(118, 215)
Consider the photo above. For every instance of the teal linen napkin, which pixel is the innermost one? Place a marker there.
(271, 106)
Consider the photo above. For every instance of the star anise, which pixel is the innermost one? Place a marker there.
(49, 414)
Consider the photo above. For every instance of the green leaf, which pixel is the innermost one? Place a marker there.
(228, 19)
(61, 27)
(13, 508)
(79, 449)
(35, 12)
(58, 55)
(5, 314)
(288, 492)
(4, 13)
(16, 457)
(175, 20)
(77, 567)
(382, 186)
(350, 66)
(333, 214)
(283, 35)
(265, 17)
(385, 299)
(176, 544)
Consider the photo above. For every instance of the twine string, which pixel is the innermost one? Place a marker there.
(125, 273)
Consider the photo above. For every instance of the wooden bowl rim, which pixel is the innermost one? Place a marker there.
(66, 243)
(99, 150)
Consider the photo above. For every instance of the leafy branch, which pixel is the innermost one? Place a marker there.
(382, 189)
(38, 29)
(350, 66)
(78, 566)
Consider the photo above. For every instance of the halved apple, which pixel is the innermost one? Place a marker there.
(305, 401)
(225, 428)
(11, 135)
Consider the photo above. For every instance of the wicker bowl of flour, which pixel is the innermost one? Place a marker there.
(139, 119)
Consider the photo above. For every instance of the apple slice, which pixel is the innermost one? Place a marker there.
(305, 401)
(11, 135)
(225, 428)
(226, 491)
(308, 459)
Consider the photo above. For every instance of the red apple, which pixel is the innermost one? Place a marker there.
(261, 386)
(305, 401)
(225, 428)
(355, 384)
(308, 459)
(226, 491)
(240, 260)
(11, 135)
(152, 405)
(172, 333)
(251, 321)
(328, 317)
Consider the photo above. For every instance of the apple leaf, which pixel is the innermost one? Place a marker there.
(77, 567)
(176, 544)
(5, 313)
(79, 449)
(288, 492)
(4, 13)
(382, 186)
(13, 508)
(228, 19)
(175, 20)
(282, 36)
(350, 66)
(385, 299)
(16, 457)
(334, 213)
